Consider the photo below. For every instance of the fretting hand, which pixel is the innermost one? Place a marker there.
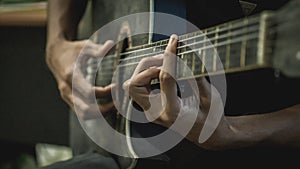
(61, 59)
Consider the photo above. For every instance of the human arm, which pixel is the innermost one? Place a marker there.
(280, 128)
(63, 51)
(63, 19)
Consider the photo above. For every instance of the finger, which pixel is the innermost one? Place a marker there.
(101, 92)
(68, 99)
(81, 108)
(65, 92)
(144, 78)
(85, 62)
(167, 75)
(148, 62)
(204, 94)
(89, 110)
(204, 86)
(92, 49)
(170, 57)
(106, 48)
(107, 108)
(141, 96)
(139, 87)
(81, 85)
(126, 84)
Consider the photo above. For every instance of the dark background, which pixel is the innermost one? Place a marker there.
(31, 110)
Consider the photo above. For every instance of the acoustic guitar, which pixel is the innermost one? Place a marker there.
(268, 40)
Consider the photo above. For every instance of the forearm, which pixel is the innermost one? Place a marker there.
(63, 19)
(281, 128)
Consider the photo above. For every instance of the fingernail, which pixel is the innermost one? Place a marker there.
(173, 38)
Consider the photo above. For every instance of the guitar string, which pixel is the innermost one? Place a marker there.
(240, 32)
(228, 41)
(233, 26)
(208, 39)
(232, 41)
(272, 28)
(239, 24)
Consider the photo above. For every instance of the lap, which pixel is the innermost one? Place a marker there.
(89, 160)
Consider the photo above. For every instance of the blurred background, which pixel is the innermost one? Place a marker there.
(33, 118)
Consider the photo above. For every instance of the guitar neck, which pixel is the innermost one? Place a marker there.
(230, 47)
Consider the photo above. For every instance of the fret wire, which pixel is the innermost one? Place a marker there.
(193, 52)
(229, 41)
(239, 24)
(184, 59)
(243, 49)
(193, 57)
(203, 41)
(162, 51)
(228, 48)
(236, 33)
(135, 63)
(254, 36)
(203, 52)
(215, 52)
(200, 42)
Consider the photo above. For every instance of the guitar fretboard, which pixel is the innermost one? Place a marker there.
(234, 46)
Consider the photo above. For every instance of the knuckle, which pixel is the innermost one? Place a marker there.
(165, 77)
(64, 91)
(68, 74)
(130, 88)
(63, 88)
(153, 69)
(126, 85)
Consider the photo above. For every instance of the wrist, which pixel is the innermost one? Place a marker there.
(55, 38)
(224, 137)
